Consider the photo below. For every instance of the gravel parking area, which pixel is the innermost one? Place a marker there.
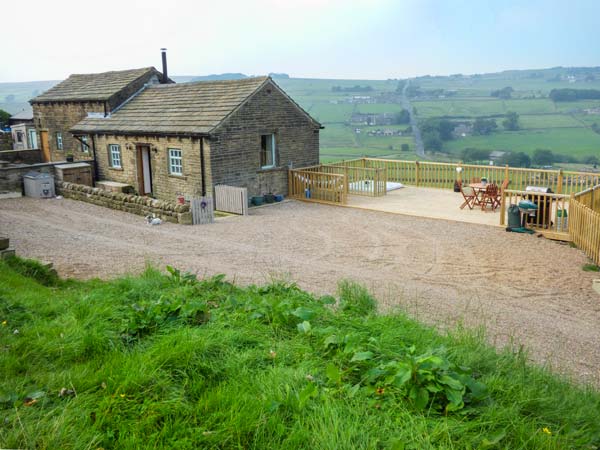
(523, 289)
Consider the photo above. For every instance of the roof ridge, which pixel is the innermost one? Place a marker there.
(205, 82)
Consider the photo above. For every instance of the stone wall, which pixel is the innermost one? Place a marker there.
(133, 204)
(165, 186)
(235, 152)
(59, 117)
(6, 142)
(21, 156)
(11, 177)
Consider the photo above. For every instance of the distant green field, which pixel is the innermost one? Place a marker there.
(568, 141)
(337, 135)
(330, 113)
(379, 108)
(548, 121)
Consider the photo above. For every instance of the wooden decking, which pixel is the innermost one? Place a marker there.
(426, 202)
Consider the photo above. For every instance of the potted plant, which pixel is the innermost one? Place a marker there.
(269, 197)
(257, 200)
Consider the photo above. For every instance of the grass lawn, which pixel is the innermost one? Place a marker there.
(567, 141)
(166, 361)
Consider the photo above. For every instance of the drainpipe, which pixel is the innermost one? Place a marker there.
(96, 173)
(202, 167)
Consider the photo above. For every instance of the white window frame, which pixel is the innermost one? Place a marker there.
(273, 141)
(85, 147)
(175, 161)
(59, 140)
(115, 162)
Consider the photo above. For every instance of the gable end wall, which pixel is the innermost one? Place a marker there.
(235, 153)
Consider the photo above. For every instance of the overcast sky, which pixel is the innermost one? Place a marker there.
(50, 39)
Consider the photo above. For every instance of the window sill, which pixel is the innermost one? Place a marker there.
(271, 169)
(178, 177)
(118, 169)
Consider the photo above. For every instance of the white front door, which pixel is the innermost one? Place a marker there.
(146, 170)
(33, 143)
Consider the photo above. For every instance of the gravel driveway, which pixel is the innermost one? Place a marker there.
(519, 287)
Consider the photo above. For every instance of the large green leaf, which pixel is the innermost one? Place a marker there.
(362, 356)
(304, 327)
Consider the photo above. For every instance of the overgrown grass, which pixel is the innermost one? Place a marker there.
(166, 361)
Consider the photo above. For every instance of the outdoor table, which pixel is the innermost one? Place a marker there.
(478, 188)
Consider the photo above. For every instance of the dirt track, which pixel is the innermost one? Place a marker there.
(518, 286)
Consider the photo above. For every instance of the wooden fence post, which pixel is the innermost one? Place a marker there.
(503, 208)
(559, 182)
(506, 172)
(290, 192)
(417, 173)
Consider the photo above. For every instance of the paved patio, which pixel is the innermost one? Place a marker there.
(426, 202)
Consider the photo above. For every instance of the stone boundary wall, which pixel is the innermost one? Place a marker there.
(11, 176)
(30, 156)
(130, 203)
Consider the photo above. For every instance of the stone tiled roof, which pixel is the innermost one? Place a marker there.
(186, 108)
(92, 86)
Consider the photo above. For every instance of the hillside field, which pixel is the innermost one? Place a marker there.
(170, 361)
(563, 127)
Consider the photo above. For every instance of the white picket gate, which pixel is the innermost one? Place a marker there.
(231, 199)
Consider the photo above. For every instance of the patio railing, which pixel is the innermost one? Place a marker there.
(443, 175)
(358, 180)
(315, 186)
(551, 217)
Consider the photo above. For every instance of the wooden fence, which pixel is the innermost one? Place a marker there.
(584, 228)
(231, 199)
(311, 185)
(358, 180)
(590, 198)
(552, 216)
(443, 175)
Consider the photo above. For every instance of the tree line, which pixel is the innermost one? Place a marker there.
(540, 158)
(568, 94)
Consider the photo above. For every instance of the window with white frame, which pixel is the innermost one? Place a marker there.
(175, 161)
(267, 151)
(114, 156)
(85, 148)
(59, 141)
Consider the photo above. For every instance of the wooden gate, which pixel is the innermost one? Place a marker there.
(202, 210)
(231, 199)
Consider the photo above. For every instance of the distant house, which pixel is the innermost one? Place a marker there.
(182, 139)
(496, 155)
(372, 119)
(23, 131)
(67, 103)
(462, 130)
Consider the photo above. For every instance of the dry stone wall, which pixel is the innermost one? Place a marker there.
(133, 204)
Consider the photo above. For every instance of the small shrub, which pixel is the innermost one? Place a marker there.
(590, 268)
(355, 299)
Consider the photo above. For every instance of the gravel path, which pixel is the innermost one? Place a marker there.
(521, 288)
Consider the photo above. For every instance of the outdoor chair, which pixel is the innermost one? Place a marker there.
(469, 195)
(490, 197)
(501, 192)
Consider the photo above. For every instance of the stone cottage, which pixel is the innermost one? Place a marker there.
(182, 139)
(67, 103)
